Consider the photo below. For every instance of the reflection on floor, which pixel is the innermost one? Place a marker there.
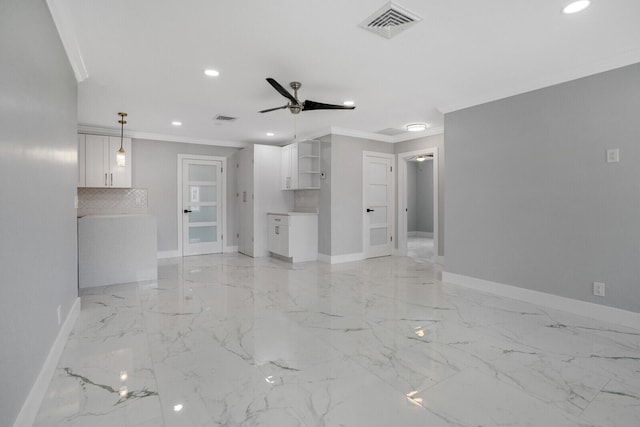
(420, 248)
(234, 341)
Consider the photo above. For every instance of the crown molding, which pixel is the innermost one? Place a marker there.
(62, 19)
(97, 130)
(385, 138)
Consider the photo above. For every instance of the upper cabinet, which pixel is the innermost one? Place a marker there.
(290, 167)
(81, 162)
(99, 161)
(301, 165)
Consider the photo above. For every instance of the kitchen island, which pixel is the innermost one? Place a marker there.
(116, 249)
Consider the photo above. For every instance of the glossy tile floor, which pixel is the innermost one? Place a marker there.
(420, 248)
(233, 341)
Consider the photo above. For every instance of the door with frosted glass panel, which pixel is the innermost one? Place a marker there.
(201, 207)
(378, 196)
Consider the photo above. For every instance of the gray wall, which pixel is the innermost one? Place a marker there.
(155, 167)
(424, 196)
(38, 174)
(420, 196)
(420, 144)
(346, 191)
(530, 199)
(324, 202)
(412, 196)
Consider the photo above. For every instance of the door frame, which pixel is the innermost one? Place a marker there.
(180, 216)
(392, 198)
(403, 158)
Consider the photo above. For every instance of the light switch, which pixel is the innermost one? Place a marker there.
(613, 155)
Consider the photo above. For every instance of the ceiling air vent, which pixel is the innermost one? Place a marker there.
(390, 20)
(222, 118)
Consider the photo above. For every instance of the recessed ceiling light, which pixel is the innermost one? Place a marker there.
(211, 72)
(178, 407)
(416, 127)
(176, 123)
(348, 103)
(270, 134)
(576, 6)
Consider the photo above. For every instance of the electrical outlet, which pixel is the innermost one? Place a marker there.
(59, 316)
(598, 289)
(613, 155)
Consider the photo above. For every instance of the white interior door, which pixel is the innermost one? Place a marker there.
(378, 197)
(201, 207)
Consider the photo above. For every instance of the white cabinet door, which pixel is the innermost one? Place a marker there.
(96, 161)
(119, 176)
(294, 166)
(81, 161)
(245, 201)
(279, 235)
(289, 167)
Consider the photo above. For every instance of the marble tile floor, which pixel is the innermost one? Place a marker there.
(420, 248)
(235, 341)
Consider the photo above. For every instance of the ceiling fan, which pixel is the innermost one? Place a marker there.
(296, 106)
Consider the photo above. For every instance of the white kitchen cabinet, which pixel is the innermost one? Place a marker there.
(81, 161)
(294, 235)
(101, 169)
(301, 165)
(259, 192)
(290, 167)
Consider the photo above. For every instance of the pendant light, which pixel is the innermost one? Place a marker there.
(121, 157)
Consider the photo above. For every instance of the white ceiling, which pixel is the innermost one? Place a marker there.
(146, 57)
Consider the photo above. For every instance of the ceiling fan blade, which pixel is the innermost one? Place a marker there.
(274, 109)
(313, 105)
(282, 91)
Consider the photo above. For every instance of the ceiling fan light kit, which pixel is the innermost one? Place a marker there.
(295, 106)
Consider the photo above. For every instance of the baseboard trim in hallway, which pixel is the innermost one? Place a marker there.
(30, 408)
(581, 308)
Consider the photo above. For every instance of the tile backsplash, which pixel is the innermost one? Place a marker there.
(306, 201)
(107, 201)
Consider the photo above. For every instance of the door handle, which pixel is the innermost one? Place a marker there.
(187, 211)
(370, 210)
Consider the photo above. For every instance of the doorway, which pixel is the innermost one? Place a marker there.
(378, 204)
(201, 196)
(418, 207)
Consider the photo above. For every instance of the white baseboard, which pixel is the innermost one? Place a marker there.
(177, 254)
(31, 406)
(338, 259)
(169, 254)
(399, 252)
(581, 308)
(420, 234)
